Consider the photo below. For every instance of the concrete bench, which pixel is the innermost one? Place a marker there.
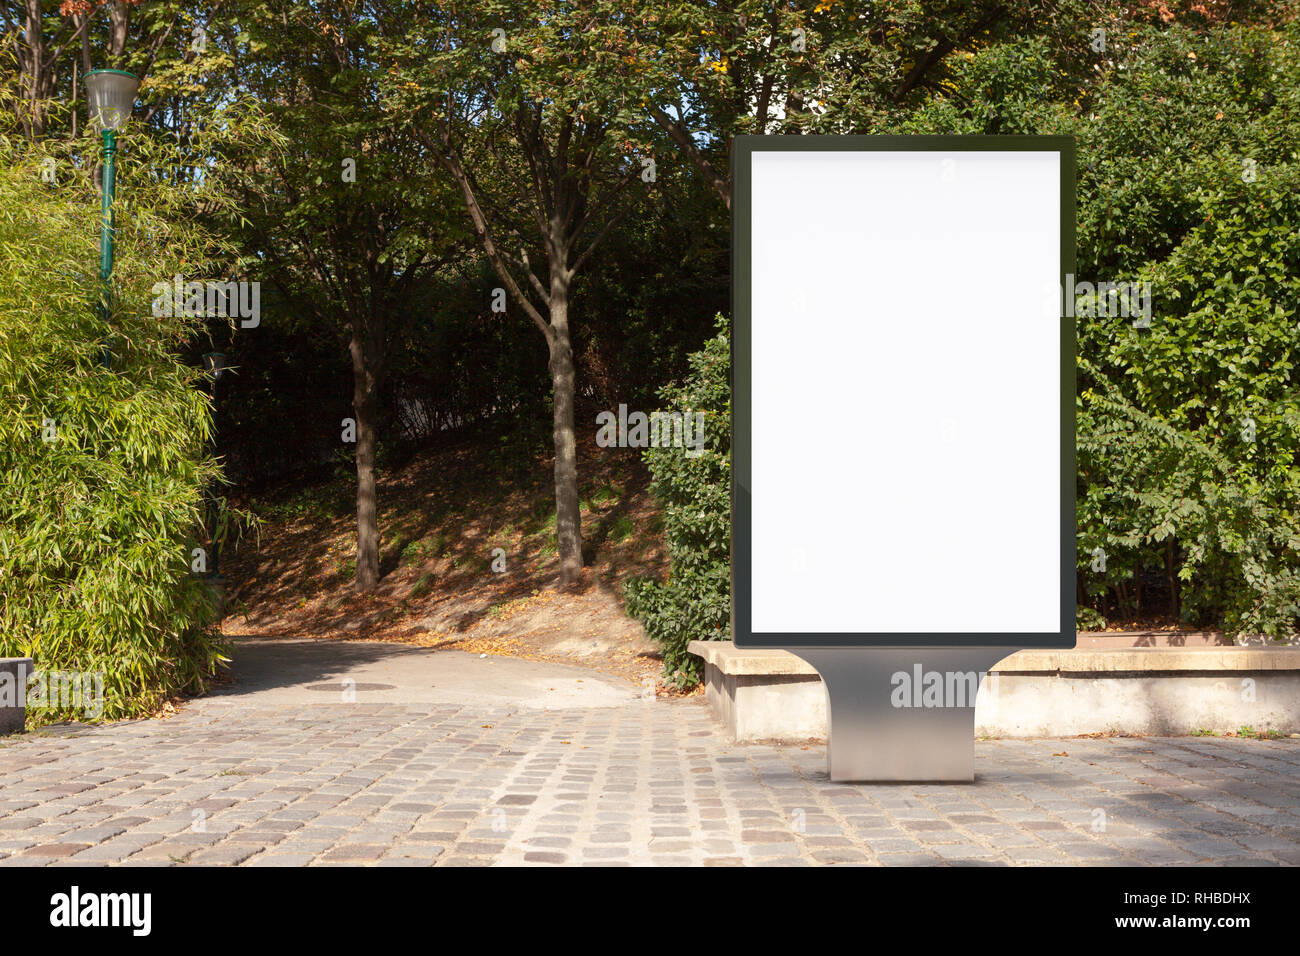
(13, 693)
(774, 696)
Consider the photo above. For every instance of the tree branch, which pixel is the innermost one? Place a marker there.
(450, 161)
(720, 184)
(940, 50)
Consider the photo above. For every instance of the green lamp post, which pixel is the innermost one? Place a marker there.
(112, 95)
(214, 363)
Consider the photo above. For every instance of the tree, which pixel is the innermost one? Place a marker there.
(347, 219)
(524, 115)
(52, 45)
(707, 72)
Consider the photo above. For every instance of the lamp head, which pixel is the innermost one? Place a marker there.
(112, 96)
(214, 363)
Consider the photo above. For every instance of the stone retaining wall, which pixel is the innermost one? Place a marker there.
(773, 695)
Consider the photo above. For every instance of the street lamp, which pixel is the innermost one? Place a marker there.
(112, 95)
(214, 363)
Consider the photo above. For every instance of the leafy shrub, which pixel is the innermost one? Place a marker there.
(103, 467)
(1189, 430)
(695, 602)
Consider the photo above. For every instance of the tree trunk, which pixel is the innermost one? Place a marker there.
(364, 403)
(34, 79)
(1137, 585)
(568, 518)
(119, 18)
(1171, 572)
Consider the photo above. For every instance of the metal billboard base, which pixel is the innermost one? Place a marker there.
(897, 714)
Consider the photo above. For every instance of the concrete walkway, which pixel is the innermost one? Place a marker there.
(363, 753)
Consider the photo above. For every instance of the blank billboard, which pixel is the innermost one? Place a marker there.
(903, 436)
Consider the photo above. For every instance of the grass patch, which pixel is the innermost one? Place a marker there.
(417, 551)
(1254, 734)
(621, 529)
(606, 494)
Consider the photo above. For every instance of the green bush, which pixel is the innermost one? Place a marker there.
(695, 602)
(103, 466)
(1189, 429)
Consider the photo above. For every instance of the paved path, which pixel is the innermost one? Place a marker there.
(449, 759)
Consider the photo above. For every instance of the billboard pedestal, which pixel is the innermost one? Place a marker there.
(893, 454)
(898, 714)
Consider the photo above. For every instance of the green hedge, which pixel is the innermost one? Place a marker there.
(1189, 429)
(695, 489)
(103, 468)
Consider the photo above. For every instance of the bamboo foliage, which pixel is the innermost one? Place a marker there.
(104, 467)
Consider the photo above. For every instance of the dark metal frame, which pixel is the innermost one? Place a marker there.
(742, 384)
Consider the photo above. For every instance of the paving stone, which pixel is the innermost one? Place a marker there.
(225, 855)
(356, 851)
(56, 850)
(471, 784)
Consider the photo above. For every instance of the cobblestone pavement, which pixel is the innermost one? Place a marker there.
(637, 782)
